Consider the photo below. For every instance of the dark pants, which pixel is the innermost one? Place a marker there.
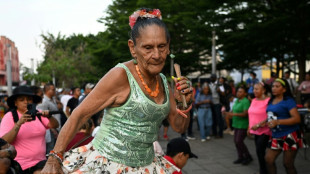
(261, 142)
(190, 126)
(50, 145)
(39, 166)
(239, 137)
(304, 98)
(217, 120)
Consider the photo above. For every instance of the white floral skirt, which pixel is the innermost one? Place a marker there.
(86, 159)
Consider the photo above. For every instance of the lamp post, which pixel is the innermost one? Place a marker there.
(32, 71)
(9, 71)
(213, 53)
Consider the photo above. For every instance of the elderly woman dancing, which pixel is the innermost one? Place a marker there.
(137, 98)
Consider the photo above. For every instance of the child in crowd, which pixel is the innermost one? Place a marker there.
(178, 152)
(229, 130)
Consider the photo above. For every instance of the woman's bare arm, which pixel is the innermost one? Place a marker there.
(11, 135)
(112, 90)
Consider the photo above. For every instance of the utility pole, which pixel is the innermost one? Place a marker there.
(54, 80)
(9, 71)
(32, 72)
(213, 54)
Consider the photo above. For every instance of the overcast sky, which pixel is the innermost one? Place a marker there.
(23, 21)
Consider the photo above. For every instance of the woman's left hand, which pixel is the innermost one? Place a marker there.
(272, 123)
(183, 86)
(45, 113)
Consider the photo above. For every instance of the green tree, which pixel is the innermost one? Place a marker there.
(252, 32)
(67, 60)
(191, 36)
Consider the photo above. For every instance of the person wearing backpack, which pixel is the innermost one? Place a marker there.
(25, 130)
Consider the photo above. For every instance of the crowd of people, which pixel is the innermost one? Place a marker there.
(113, 125)
(266, 110)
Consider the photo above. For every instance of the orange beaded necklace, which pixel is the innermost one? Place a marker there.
(151, 93)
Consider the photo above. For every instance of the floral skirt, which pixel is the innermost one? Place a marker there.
(86, 159)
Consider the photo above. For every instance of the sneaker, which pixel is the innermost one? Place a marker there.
(203, 140)
(166, 137)
(238, 161)
(246, 161)
(191, 138)
(208, 138)
(232, 132)
(227, 131)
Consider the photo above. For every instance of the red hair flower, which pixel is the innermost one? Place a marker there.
(143, 14)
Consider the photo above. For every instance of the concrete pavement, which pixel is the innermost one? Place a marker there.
(217, 155)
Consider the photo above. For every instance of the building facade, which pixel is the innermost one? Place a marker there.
(4, 56)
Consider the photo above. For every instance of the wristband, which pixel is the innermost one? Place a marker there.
(57, 155)
(183, 112)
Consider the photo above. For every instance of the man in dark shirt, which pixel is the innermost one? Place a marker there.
(74, 101)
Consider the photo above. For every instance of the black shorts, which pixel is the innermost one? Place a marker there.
(165, 122)
(38, 166)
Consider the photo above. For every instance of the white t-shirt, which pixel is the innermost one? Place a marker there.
(64, 100)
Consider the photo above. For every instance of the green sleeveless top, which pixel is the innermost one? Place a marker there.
(127, 133)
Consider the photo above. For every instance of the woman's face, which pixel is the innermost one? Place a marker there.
(258, 90)
(151, 49)
(22, 101)
(205, 90)
(277, 89)
(221, 81)
(241, 93)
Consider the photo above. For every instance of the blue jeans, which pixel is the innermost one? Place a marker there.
(205, 121)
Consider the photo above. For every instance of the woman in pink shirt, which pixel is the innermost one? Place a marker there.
(257, 118)
(25, 132)
(304, 88)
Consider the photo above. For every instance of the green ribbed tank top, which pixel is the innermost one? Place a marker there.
(127, 133)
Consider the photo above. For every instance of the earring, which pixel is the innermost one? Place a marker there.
(135, 61)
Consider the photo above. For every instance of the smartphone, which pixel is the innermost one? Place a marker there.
(32, 110)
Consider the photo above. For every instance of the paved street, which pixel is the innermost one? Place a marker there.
(217, 155)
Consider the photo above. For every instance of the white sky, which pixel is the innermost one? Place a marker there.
(23, 21)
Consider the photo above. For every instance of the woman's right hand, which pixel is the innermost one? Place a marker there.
(52, 166)
(24, 118)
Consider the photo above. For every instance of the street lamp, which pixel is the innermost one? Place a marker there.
(213, 54)
(32, 72)
(9, 71)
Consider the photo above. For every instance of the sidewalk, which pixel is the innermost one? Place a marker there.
(217, 155)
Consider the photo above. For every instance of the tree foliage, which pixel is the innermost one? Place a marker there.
(253, 32)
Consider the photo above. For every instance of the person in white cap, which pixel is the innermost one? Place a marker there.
(88, 88)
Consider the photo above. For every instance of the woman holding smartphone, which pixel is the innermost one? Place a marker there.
(19, 129)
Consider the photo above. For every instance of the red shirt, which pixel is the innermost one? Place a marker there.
(77, 138)
(172, 162)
